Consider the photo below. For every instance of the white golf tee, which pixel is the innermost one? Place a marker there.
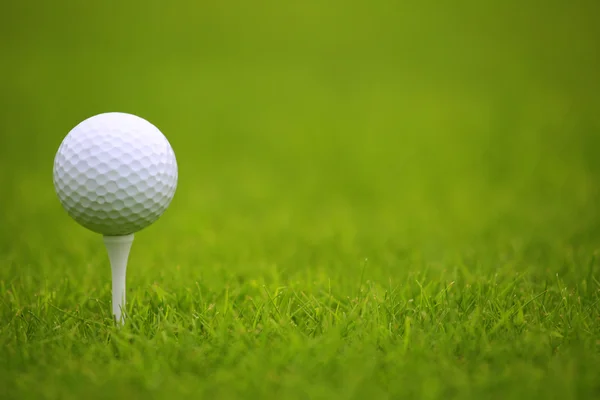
(118, 253)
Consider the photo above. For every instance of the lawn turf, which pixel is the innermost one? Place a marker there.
(375, 200)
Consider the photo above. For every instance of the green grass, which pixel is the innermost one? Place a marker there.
(374, 200)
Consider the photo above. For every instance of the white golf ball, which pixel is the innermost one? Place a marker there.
(115, 173)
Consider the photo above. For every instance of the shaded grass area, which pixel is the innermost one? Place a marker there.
(374, 200)
(427, 336)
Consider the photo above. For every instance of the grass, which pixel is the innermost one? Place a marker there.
(426, 336)
(385, 201)
(418, 339)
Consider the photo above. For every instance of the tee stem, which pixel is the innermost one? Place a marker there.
(118, 248)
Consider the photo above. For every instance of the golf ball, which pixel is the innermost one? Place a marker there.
(115, 173)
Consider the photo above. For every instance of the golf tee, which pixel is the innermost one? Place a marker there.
(118, 248)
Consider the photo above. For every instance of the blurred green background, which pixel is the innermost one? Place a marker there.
(428, 124)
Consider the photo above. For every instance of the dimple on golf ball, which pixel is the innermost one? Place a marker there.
(115, 173)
